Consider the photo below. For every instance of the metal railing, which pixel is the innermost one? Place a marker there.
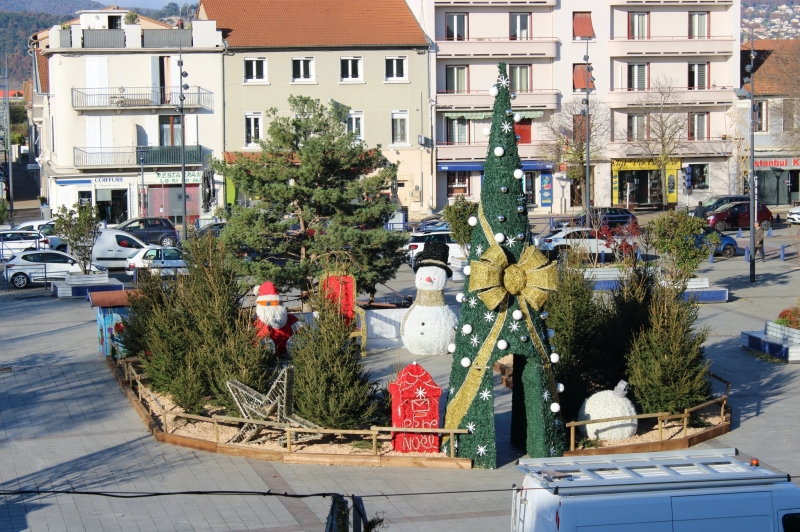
(166, 38)
(673, 38)
(502, 39)
(131, 97)
(486, 92)
(65, 39)
(128, 156)
(104, 38)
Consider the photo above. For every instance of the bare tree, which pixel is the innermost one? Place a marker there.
(565, 137)
(665, 135)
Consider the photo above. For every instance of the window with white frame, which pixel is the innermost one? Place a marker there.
(638, 26)
(456, 26)
(456, 79)
(255, 69)
(252, 129)
(698, 126)
(399, 127)
(698, 25)
(355, 124)
(350, 69)
(396, 68)
(637, 77)
(698, 76)
(518, 26)
(760, 124)
(302, 69)
(457, 130)
(520, 76)
(457, 184)
(637, 127)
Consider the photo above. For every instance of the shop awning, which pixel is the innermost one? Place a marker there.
(458, 166)
(63, 182)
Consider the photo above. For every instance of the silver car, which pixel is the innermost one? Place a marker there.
(163, 261)
(39, 265)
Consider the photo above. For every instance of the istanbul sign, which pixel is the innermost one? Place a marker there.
(776, 163)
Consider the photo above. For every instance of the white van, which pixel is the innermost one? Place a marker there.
(674, 491)
(113, 247)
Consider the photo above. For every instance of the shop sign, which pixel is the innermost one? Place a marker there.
(639, 164)
(776, 163)
(174, 178)
(110, 182)
(546, 182)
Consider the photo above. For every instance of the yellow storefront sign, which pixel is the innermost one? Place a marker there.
(622, 165)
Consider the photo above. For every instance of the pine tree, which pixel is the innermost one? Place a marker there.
(506, 287)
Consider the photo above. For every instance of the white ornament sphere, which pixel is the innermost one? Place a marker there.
(502, 344)
(467, 328)
(518, 173)
(486, 131)
(466, 362)
(467, 270)
(460, 297)
(550, 333)
(555, 408)
(494, 91)
(517, 117)
(517, 314)
(473, 221)
(451, 348)
(554, 358)
(499, 151)
(499, 238)
(606, 404)
(560, 388)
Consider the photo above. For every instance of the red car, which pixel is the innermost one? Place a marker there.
(734, 215)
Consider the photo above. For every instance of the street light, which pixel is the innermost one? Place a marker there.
(140, 151)
(751, 178)
(179, 108)
(587, 117)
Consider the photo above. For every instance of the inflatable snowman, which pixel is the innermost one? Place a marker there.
(429, 325)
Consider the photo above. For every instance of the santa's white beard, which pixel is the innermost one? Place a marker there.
(275, 317)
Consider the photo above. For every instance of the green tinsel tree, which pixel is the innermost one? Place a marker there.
(506, 287)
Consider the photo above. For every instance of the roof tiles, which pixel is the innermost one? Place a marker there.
(775, 58)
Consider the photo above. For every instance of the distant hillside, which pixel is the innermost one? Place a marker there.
(53, 7)
(15, 29)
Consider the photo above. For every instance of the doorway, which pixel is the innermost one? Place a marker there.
(112, 204)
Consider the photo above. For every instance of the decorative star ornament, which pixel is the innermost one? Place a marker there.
(470, 427)
(473, 340)
(482, 450)
(507, 127)
(514, 326)
(557, 422)
(421, 392)
(488, 316)
(472, 302)
(485, 395)
(503, 80)
(546, 395)
(479, 250)
(511, 241)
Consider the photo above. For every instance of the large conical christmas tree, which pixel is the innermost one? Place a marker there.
(507, 284)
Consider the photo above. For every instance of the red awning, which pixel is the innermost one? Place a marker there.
(582, 25)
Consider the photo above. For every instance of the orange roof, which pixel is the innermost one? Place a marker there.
(43, 68)
(313, 23)
(775, 58)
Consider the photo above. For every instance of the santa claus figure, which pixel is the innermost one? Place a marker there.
(273, 321)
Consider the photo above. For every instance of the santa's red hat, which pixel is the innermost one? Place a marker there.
(266, 292)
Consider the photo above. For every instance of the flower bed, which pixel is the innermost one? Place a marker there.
(790, 317)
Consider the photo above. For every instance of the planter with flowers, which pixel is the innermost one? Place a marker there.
(780, 338)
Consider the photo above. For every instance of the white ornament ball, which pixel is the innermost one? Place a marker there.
(460, 297)
(554, 358)
(517, 117)
(517, 314)
(502, 344)
(499, 151)
(518, 173)
(606, 404)
(467, 328)
(560, 388)
(486, 131)
(499, 238)
(550, 333)
(466, 362)
(451, 348)
(467, 270)
(494, 91)
(555, 408)
(473, 221)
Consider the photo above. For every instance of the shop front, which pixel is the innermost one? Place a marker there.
(636, 181)
(466, 178)
(113, 195)
(165, 196)
(778, 180)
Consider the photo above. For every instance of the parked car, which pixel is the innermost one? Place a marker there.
(216, 228)
(50, 240)
(610, 216)
(794, 216)
(431, 219)
(113, 247)
(163, 261)
(418, 241)
(576, 238)
(37, 265)
(733, 215)
(33, 226)
(13, 241)
(151, 230)
(727, 245)
(717, 202)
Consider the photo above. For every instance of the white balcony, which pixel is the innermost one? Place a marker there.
(688, 3)
(536, 99)
(709, 147)
(476, 151)
(522, 3)
(634, 98)
(540, 47)
(680, 46)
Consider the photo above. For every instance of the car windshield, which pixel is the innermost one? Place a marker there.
(726, 207)
(709, 202)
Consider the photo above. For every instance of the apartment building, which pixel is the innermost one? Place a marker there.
(368, 55)
(107, 125)
(633, 48)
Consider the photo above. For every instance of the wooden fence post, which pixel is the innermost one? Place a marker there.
(288, 440)
(375, 443)
(660, 429)
(685, 422)
(572, 438)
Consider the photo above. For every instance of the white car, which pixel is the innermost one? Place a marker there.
(794, 216)
(577, 238)
(163, 261)
(418, 241)
(36, 266)
(13, 241)
(35, 225)
(49, 240)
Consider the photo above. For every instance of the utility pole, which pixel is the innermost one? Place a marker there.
(180, 109)
(752, 177)
(587, 188)
(10, 166)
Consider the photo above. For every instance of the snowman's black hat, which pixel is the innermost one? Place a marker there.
(433, 254)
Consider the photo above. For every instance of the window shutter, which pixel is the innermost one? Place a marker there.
(701, 76)
(640, 77)
(296, 69)
(631, 77)
(630, 26)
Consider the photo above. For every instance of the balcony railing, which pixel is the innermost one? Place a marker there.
(682, 96)
(65, 39)
(104, 38)
(128, 156)
(480, 99)
(166, 38)
(499, 47)
(140, 97)
(682, 45)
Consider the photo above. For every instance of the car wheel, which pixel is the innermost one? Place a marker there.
(167, 241)
(728, 251)
(720, 226)
(20, 280)
(765, 225)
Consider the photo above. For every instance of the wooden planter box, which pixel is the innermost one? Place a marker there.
(85, 279)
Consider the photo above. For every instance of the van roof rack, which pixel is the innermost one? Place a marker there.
(623, 473)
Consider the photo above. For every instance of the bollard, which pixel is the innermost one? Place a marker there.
(739, 233)
(602, 257)
(783, 253)
(769, 231)
(747, 254)
(711, 257)
(638, 254)
(778, 218)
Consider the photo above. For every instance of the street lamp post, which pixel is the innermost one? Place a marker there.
(587, 117)
(142, 210)
(752, 181)
(180, 109)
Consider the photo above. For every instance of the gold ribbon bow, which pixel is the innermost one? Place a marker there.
(529, 279)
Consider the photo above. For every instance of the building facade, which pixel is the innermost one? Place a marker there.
(107, 125)
(634, 51)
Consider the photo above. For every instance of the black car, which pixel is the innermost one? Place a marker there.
(715, 203)
(151, 230)
(215, 230)
(610, 216)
